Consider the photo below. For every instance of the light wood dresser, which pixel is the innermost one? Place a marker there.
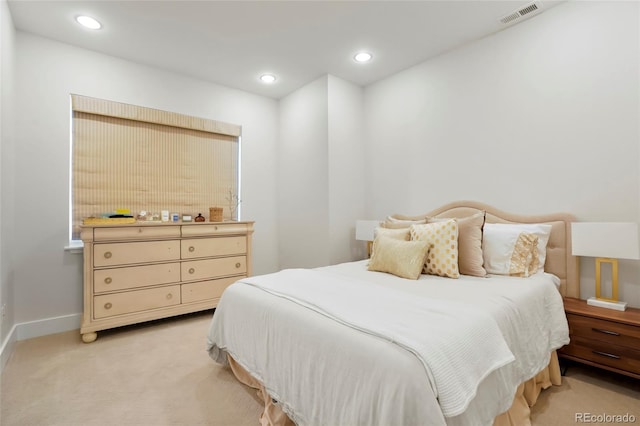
(145, 271)
(603, 338)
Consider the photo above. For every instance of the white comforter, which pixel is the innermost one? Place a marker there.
(358, 360)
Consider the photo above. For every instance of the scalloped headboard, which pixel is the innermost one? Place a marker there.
(559, 260)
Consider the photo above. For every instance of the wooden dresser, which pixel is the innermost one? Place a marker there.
(146, 271)
(603, 337)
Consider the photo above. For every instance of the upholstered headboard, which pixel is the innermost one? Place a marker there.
(559, 260)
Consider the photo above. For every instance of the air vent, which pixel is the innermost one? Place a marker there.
(524, 12)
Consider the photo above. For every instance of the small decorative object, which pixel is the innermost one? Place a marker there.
(165, 215)
(199, 218)
(175, 217)
(142, 215)
(234, 202)
(186, 218)
(215, 214)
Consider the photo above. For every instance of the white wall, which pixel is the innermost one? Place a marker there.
(7, 63)
(302, 178)
(346, 169)
(541, 117)
(321, 179)
(48, 279)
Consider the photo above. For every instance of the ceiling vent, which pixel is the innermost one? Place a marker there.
(522, 13)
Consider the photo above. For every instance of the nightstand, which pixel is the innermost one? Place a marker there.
(603, 338)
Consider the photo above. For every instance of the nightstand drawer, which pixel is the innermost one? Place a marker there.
(603, 353)
(604, 331)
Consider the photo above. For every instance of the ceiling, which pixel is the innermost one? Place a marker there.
(233, 42)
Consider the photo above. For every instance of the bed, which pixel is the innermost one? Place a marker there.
(343, 345)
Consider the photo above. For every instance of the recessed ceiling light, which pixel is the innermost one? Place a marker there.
(268, 78)
(88, 22)
(363, 57)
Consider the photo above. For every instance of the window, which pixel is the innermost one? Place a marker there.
(142, 159)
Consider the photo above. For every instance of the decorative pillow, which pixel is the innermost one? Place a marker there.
(397, 234)
(470, 258)
(401, 258)
(509, 252)
(542, 231)
(442, 237)
(397, 221)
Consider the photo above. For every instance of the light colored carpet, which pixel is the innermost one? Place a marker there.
(159, 374)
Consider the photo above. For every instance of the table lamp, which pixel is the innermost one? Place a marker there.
(607, 242)
(365, 230)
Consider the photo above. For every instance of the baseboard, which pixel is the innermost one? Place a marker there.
(7, 347)
(43, 327)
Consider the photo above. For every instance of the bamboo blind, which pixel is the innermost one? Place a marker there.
(137, 158)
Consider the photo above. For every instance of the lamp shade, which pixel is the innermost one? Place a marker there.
(365, 229)
(617, 240)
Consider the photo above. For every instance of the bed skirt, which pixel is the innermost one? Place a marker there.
(518, 415)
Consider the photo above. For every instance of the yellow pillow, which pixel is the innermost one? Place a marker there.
(470, 258)
(402, 258)
(397, 234)
(442, 237)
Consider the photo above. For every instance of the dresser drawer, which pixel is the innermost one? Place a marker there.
(212, 268)
(605, 331)
(136, 232)
(205, 290)
(214, 229)
(109, 305)
(206, 247)
(604, 353)
(135, 276)
(128, 253)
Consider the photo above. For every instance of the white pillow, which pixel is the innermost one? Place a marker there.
(499, 239)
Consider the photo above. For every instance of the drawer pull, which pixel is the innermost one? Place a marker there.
(238, 265)
(108, 280)
(191, 270)
(606, 354)
(107, 255)
(192, 248)
(215, 227)
(108, 305)
(169, 296)
(599, 330)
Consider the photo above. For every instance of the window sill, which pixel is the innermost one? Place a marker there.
(75, 247)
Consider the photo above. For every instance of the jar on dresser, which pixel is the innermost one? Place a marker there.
(146, 271)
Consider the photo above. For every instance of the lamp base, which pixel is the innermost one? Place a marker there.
(618, 306)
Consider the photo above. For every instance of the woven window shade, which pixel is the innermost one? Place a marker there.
(145, 164)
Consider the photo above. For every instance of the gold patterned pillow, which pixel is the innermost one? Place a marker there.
(402, 258)
(470, 258)
(442, 237)
(524, 258)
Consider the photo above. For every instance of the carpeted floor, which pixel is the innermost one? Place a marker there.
(158, 373)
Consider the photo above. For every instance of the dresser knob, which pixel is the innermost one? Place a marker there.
(192, 249)
(107, 280)
(215, 227)
(169, 296)
(191, 270)
(139, 230)
(108, 305)
(107, 255)
(238, 265)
